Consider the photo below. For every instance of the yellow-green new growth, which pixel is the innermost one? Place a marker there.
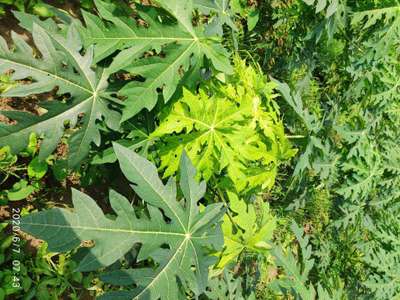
(243, 232)
(231, 128)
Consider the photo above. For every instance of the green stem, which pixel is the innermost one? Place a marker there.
(220, 194)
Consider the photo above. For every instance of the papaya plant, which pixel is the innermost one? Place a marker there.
(279, 119)
(78, 79)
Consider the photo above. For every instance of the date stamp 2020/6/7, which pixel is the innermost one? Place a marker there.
(16, 247)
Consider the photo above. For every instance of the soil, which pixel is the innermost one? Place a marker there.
(8, 24)
(28, 104)
(5, 105)
(4, 213)
(32, 243)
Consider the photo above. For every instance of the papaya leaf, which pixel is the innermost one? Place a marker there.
(60, 65)
(244, 232)
(383, 39)
(138, 140)
(37, 169)
(296, 274)
(178, 45)
(296, 278)
(178, 247)
(223, 12)
(227, 287)
(330, 7)
(236, 130)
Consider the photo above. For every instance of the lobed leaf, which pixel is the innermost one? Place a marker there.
(179, 247)
(236, 129)
(61, 67)
(181, 44)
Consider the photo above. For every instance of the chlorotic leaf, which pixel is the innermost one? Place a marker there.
(246, 230)
(227, 131)
(20, 191)
(37, 169)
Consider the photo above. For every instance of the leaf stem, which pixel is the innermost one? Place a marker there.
(220, 194)
(295, 136)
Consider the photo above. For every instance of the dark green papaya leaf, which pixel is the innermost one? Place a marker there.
(178, 247)
(60, 65)
(180, 43)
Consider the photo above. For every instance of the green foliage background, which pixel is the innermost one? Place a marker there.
(289, 110)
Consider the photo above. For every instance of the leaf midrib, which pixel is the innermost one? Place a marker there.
(162, 198)
(178, 59)
(155, 279)
(92, 107)
(42, 123)
(48, 73)
(192, 39)
(377, 11)
(118, 230)
(102, 229)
